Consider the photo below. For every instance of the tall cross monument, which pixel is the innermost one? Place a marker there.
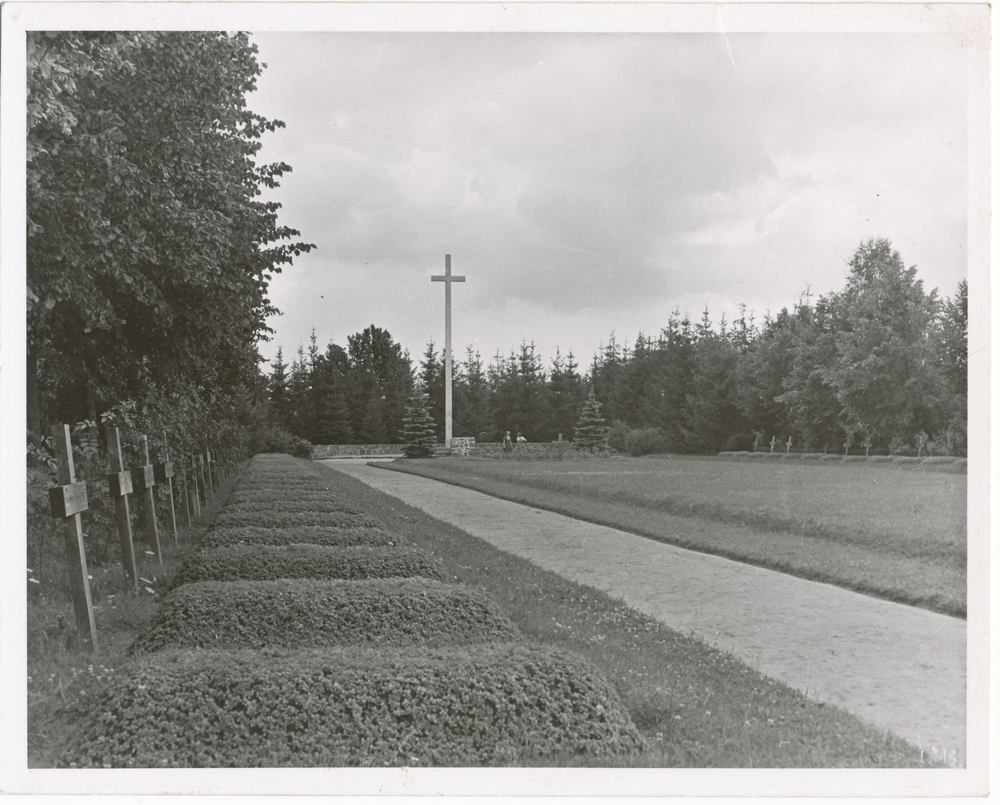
(447, 279)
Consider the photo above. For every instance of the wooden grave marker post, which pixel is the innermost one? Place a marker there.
(146, 476)
(120, 486)
(560, 446)
(164, 474)
(66, 502)
(774, 441)
(788, 446)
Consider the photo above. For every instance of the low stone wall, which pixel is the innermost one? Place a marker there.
(529, 451)
(346, 450)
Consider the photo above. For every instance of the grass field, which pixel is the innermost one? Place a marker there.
(898, 534)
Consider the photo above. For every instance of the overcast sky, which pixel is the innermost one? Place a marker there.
(586, 184)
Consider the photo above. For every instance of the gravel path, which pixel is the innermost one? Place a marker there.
(892, 665)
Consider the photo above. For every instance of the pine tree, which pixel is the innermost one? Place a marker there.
(591, 432)
(431, 375)
(418, 426)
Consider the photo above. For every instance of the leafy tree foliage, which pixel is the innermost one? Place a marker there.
(148, 252)
(382, 380)
(882, 368)
(148, 257)
(358, 395)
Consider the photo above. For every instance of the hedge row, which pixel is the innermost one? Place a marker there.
(289, 488)
(301, 613)
(315, 535)
(230, 518)
(270, 495)
(324, 708)
(294, 505)
(265, 562)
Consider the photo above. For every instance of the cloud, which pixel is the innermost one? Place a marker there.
(624, 174)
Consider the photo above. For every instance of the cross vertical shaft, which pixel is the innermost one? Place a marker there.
(447, 279)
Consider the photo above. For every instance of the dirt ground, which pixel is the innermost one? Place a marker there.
(892, 665)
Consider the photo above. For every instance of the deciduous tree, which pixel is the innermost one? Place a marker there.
(149, 252)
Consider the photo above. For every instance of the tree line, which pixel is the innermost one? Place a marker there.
(879, 366)
(150, 252)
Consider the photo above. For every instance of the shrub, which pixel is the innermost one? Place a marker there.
(276, 439)
(617, 434)
(278, 519)
(313, 535)
(879, 459)
(645, 441)
(264, 562)
(939, 460)
(301, 613)
(740, 441)
(345, 707)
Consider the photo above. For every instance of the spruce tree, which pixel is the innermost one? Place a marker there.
(418, 426)
(591, 432)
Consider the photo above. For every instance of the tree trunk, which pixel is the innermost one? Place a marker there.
(92, 411)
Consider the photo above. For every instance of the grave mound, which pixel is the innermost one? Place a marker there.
(480, 705)
(301, 561)
(313, 535)
(271, 518)
(300, 613)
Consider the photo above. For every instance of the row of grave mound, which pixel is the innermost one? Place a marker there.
(303, 634)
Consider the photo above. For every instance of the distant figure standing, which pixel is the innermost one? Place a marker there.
(507, 445)
(521, 441)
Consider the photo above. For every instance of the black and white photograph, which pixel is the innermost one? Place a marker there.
(472, 399)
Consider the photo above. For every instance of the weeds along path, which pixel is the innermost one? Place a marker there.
(893, 665)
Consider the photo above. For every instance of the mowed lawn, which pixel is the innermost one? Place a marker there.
(896, 533)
